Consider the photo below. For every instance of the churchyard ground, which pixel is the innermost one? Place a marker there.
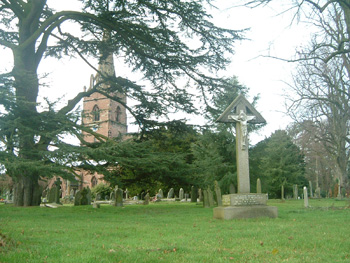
(175, 232)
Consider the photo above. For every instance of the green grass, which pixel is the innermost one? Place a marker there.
(175, 232)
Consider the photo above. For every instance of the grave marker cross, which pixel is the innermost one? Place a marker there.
(242, 112)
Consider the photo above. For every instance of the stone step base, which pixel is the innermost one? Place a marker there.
(236, 212)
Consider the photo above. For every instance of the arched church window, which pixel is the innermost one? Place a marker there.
(96, 113)
(93, 181)
(118, 114)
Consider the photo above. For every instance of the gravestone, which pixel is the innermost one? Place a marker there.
(118, 198)
(232, 189)
(171, 193)
(295, 191)
(194, 194)
(160, 192)
(200, 195)
(210, 197)
(126, 194)
(181, 194)
(306, 199)
(146, 202)
(282, 192)
(218, 193)
(243, 204)
(258, 186)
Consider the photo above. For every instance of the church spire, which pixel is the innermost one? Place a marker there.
(106, 63)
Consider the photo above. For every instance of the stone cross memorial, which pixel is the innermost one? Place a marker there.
(244, 204)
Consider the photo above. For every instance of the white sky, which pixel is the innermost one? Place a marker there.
(270, 34)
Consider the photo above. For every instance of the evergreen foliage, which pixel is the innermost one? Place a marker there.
(149, 36)
(278, 162)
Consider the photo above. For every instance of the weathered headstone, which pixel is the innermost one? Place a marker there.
(200, 195)
(194, 194)
(181, 194)
(171, 193)
(217, 193)
(306, 199)
(160, 192)
(244, 204)
(126, 194)
(119, 197)
(146, 202)
(232, 189)
(295, 191)
(258, 186)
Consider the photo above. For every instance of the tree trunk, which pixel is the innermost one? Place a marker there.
(27, 191)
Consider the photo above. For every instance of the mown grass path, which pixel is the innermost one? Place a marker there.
(175, 232)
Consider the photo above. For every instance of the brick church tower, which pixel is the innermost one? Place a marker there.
(104, 115)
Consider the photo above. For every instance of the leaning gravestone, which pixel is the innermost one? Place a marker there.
(218, 193)
(194, 194)
(171, 193)
(243, 204)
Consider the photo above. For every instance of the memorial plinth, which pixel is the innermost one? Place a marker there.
(244, 204)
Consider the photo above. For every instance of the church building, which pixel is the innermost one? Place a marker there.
(104, 116)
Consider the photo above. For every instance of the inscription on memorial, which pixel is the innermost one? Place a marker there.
(244, 199)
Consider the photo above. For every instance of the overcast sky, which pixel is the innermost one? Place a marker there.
(271, 33)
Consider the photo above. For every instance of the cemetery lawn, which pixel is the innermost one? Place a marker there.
(174, 232)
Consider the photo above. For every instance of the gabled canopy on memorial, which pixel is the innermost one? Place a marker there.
(241, 103)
